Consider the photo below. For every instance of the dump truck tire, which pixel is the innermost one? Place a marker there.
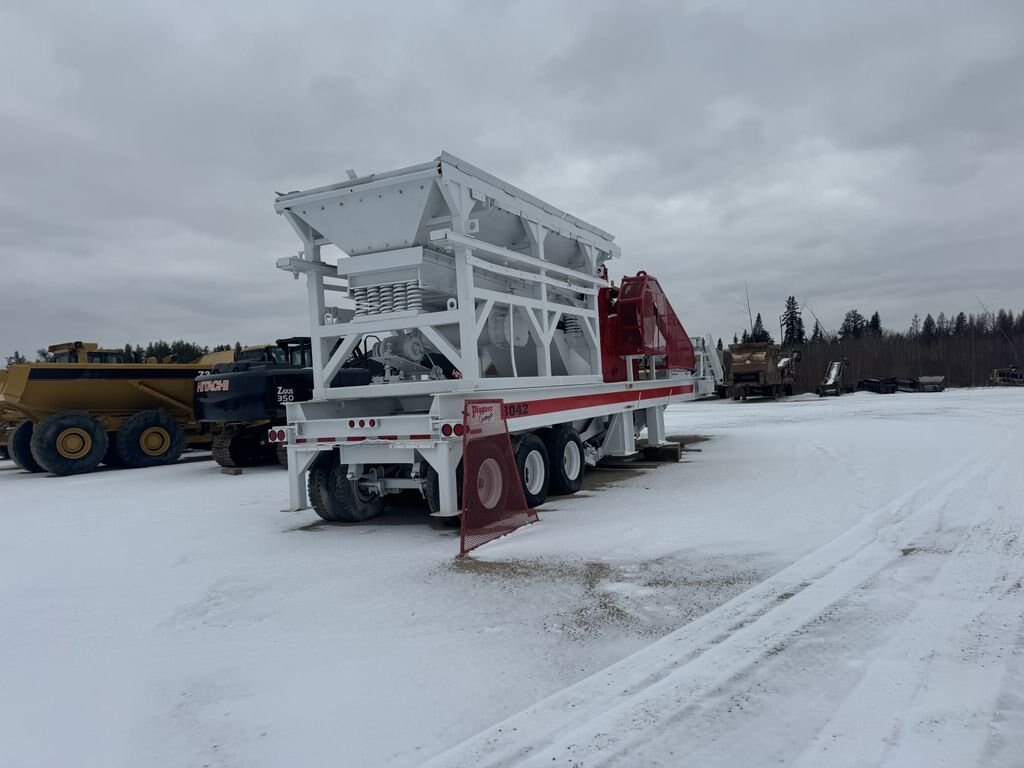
(150, 439)
(19, 445)
(566, 459)
(349, 504)
(534, 469)
(69, 443)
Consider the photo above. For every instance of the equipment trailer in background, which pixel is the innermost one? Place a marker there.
(446, 262)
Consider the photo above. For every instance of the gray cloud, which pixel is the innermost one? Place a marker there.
(853, 155)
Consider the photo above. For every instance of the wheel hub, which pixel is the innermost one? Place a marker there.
(489, 483)
(571, 462)
(74, 443)
(533, 469)
(154, 441)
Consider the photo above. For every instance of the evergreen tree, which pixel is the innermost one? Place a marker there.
(159, 350)
(1004, 322)
(745, 338)
(758, 332)
(793, 333)
(736, 340)
(853, 325)
(928, 329)
(817, 335)
(941, 325)
(960, 324)
(874, 327)
(719, 346)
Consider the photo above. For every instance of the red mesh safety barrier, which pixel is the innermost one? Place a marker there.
(641, 322)
(493, 502)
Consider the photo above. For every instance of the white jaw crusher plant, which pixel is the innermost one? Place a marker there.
(452, 285)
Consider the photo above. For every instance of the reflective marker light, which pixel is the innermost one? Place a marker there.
(446, 430)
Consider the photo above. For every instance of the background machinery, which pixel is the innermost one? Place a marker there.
(88, 407)
(832, 382)
(458, 286)
(248, 395)
(759, 369)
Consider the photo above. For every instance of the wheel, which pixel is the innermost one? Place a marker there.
(565, 454)
(350, 503)
(432, 492)
(19, 445)
(534, 469)
(69, 443)
(316, 483)
(336, 498)
(149, 439)
(485, 489)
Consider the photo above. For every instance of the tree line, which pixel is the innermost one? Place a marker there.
(963, 347)
(178, 351)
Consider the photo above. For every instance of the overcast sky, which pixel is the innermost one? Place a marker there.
(853, 154)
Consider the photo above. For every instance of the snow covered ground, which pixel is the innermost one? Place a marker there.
(830, 582)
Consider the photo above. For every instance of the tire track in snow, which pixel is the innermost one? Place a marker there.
(609, 715)
(942, 673)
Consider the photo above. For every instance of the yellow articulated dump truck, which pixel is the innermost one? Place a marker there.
(8, 420)
(88, 407)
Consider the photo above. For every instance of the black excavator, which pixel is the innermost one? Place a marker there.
(247, 396)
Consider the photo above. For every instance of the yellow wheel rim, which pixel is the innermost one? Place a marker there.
(155, 441)
(74, 443)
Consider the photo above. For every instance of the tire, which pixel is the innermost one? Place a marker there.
(317, 483)
(149, 439)
(69, 443)
(350, 504)
(19, 445)
(566, 460)
(487, 491)
(432, 492)
(534, 469)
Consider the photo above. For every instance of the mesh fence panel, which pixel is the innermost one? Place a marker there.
(493, 502)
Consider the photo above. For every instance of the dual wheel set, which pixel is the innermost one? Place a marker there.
(74, 442)
(548, 462)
